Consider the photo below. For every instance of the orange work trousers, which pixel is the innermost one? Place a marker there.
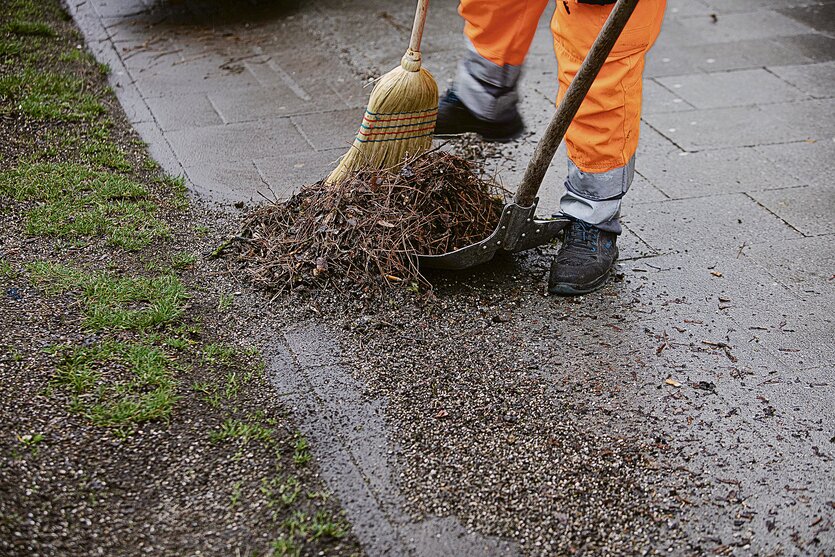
(604, 134)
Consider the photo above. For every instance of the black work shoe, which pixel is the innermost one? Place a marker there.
(454, 119)
(584, 261)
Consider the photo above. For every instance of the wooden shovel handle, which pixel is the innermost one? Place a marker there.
(572, 100)
(417, 27)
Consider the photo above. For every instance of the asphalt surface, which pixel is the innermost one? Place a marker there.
(685, 408)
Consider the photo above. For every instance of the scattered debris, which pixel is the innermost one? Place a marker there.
(672, 382)
(724, 346)
(708, 386)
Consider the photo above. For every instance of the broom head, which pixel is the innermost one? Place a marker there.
(399, 120)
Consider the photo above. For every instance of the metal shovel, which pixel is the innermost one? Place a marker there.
(519, 229)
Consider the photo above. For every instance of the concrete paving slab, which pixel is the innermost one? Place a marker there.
(658, 98)
(225, 181)
(816, 80)
(319, 128)
(807, 208)
(714, 172)
(696, 130)
(630, 247)
(642, 190)
(731, 27)
(808, 161)
(719, 224)
(254, 103)
(668, 58)
(180, 112)
(816, 47)
(734, 88)
(798, 332)
(235, 142)
(806, 266)
(116, 8)
(753, 5)
(814, 118)
(817, 15)
(656, 141)
(679, 8)
(286, 173)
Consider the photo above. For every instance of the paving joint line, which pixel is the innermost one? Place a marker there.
(653, 128)
(781, 219)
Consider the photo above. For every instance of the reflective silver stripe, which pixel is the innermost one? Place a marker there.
(486, 89)
(595, 197)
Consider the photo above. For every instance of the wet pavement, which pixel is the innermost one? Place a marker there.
(712, 354)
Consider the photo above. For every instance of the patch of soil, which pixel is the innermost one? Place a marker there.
(70, 488)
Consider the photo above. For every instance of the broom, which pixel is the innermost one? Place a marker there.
(401, 113)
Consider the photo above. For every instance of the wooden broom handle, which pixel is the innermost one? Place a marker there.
(580, 85)
(417, 27)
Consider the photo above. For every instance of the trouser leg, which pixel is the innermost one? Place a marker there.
(603, 137)
(499, 33)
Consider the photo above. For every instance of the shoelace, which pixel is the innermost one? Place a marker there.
(583, 234)
(581, 240)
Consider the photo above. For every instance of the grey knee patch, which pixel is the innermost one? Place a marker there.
(595, 197)
(600, 186)
(486, 89)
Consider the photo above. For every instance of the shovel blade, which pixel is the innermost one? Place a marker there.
(518, 230)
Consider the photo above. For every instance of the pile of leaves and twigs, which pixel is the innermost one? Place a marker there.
(367, 230)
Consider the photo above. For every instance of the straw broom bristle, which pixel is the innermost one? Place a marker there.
(399, 120)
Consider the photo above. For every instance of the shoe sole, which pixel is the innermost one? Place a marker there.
(569, 289)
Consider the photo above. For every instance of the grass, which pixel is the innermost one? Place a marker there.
(74, 201)
(176, 185)
(49, 96)
(300, 527)
(117, 384)
(210, 392)
(82, 57)
(243, 432)
(7, 271)
(235, 496)
(183, 260)
(218, 353)
(10, 47)
(301, 450)
(32, 28)
(30, 440)
(224, 302)
(112, 302)
(280, 492)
